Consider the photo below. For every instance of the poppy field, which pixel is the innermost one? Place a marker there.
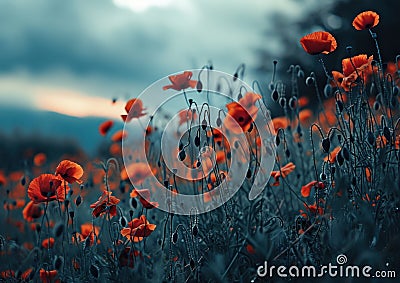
(230, 187)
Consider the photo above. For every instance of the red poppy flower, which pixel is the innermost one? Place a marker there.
(32, 211)
(305, 116)
(280, 123)
(243, 112)
(3, 179)
(39, 159)
(70, 171)
(119, 136)
(105, 127)
(318, 42)
(9, 273)
(134, 109)
(137, 229)
(48, 243)
(136, 172)
(88, 230)
(187, 115)
(144, 195)
(284, 172)
(105, 203)
(26, 274)
(313, 208)
(359, 65)
(366, 20)
(181, 81)
(47, 276)
(45, 188)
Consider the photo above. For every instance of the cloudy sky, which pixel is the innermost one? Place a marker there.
(73, 56)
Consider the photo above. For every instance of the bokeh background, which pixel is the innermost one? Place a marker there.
(66, 66)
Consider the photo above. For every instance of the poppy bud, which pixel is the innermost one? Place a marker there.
(340, 158)
(133, 203)
(371, 138)
(300, 74)
(349, 48)
(174, 237)
(395, 90)
(199, 86)
(293, 102)
(327, 90)
(287, 152)
(23, 181)
(271, 86)
(219, 122)
(248, 174)
(275, 95)
(190, 102)
(78, 200)
(346, 153)
(322, 176)
(282, 102)
(326, 144)
(131, 213)
(277, 140)
(386, 133)
(235, 76)
(204, 124)
(123, 221)
(239, 96)
(58, 262)
(182, 155)
(197, 141)
(72, 214)
(195, 230)
(309, 81)
(58, 229)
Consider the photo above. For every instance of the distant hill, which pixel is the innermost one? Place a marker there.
(83, 131)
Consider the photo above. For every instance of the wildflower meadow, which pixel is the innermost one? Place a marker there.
(200, 181)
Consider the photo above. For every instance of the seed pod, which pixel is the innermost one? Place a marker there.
(174, 238)
(271, 86)
(326, 144)
(275, 95)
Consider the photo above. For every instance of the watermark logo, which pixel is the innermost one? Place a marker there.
(197, 137)
(339, 270)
